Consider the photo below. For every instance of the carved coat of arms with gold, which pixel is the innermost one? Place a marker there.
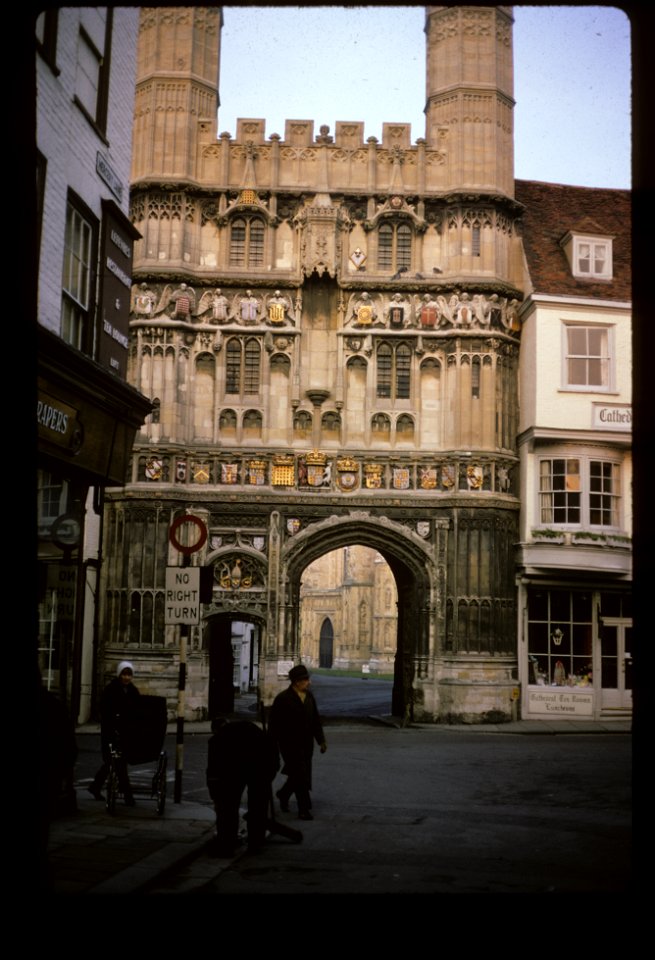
(257, 472)
(373, 476)
(401, 478)
(201, 472)
(153, 468)
(229, 472)
(347, 474)
(317, 469)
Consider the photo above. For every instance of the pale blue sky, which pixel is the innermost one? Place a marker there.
(572, 79)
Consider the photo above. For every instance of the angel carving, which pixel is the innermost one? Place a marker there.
(177, 303)
(277, 308)
(143, 300)
(217, 303)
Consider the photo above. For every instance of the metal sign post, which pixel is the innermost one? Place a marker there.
(182, 607)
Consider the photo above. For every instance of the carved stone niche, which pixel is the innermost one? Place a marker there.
(349, 134)
(253, 130)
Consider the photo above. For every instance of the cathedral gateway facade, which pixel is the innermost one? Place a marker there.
(327, 326)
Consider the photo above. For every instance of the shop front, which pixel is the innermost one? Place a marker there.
(575, 643)
(87, 419)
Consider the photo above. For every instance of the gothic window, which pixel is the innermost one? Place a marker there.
(330, 425)
(475, 240)
(394, 246)
(247, 242)
(80, 244)
(405, 428)
(381, 426)
(242, 366)
(227, 423)
(475, 378)
(393, 371)
(252, 424)
(302, 425)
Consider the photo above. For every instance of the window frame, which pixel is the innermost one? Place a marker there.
(569, 356)
(247, 385)
(41, 178)
(47, 27)
(606, 499)
(252, 250)
(604, 243)
(395, 261)
(79, 310)
(97, 116)
(397, 377)
(548, 610)
(52, 499)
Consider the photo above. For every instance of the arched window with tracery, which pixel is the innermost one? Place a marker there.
(393, 371)
(227, 424)
(247, 242)
(242, 366)
(381, 427)
(252, 425)
(302, 425)
(394, 246)
(405, 429)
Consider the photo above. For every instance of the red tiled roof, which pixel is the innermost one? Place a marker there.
(551, 211)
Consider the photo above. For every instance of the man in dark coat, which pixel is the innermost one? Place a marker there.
(239, 756)
(118, 706)
(294, 725)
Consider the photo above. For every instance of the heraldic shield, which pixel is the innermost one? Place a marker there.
(347, 474)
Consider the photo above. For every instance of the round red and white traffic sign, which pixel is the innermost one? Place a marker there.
(201, 533)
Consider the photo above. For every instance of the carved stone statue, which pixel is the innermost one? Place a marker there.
(144, 301)
(364, 313)
(249, 308)
(277, 309)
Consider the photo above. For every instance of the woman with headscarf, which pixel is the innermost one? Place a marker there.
(117, 709)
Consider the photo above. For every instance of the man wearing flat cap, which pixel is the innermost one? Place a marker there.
(295, 724)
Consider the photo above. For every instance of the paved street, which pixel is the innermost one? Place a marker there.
(433, 810)
(526, 807)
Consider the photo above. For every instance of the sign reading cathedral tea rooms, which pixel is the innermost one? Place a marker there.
(117, 241)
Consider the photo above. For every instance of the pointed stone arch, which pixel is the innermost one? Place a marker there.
(412, 564)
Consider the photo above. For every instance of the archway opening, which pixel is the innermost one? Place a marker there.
(348, 630)
(233, 644)
(374, 599)
(349, 596)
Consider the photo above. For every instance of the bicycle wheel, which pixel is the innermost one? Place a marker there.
(112, 790)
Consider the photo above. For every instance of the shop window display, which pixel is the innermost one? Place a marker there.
(560, 638)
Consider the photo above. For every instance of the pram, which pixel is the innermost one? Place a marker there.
(140, 743)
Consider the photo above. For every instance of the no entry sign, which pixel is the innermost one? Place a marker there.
(196, 529)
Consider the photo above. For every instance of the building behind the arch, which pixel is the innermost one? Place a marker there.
(348, 612)
(330, 329)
